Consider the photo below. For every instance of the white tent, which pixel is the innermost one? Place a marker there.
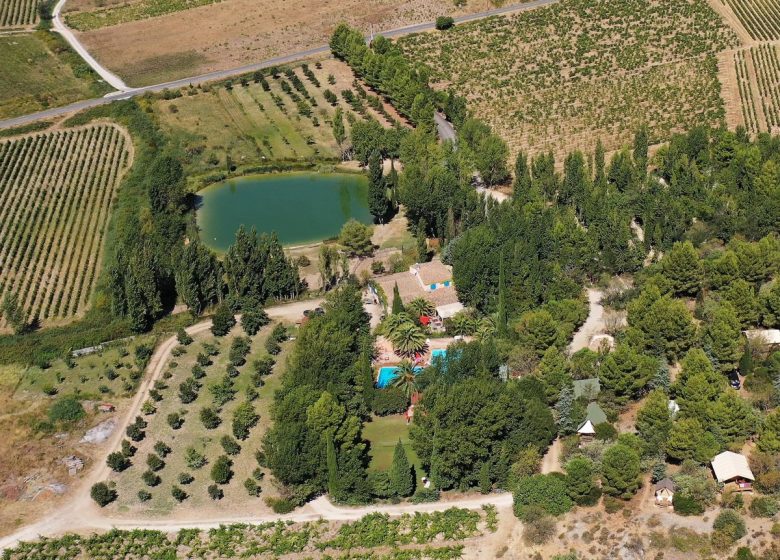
(729, 466)
(768, 336)
(587, 429)
(450, 310)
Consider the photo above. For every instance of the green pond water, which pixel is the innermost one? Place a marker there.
(300, 207)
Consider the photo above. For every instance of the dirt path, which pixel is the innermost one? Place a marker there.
(551, 462)
(593, 325)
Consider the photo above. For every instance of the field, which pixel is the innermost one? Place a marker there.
(232, 33)
(221, 129)
(561, 76)
(38, 71)
(760, 96)
(115, 15)
(18, 13)
(57, 189)
(384, 432)
(193, 434)
(761, 18)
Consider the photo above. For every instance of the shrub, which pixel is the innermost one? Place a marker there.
(150, 479)
(244, 419)
(154, 462)
(148, 408)
(272, 346)
(162, 449)
(178, 494)
(221, 473)
(203, 359)
(183, 337)
(102, 494)
(425, 495)
(686, 505)
(135, 431)
(198, 372)
(188, 390)
(223, 320)
(763, 506)
(144, 496)
(230, 445)
(194, 459)
(185, 478)
(606, 432)
(253, 318)
(392, 400)
(175, 420)
(547, 491)
(215, 492)
(280, 505)
(66, 409)
(209, 418)
(444, 22)
(252, 487)
(117, 461)
(128, 449)
(728, 527)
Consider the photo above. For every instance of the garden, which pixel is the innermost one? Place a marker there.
(58, 188)
(557, 77)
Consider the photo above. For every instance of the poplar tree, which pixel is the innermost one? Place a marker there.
(378, 202)
(333, 469)
(398, 304)
(502, 315)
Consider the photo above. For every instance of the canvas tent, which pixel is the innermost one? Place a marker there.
(733, 469)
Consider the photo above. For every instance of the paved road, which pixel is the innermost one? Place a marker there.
(222, 74)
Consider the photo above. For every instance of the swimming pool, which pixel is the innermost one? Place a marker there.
(388, 373)
(440, 353)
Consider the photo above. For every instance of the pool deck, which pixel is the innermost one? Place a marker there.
(385, 356)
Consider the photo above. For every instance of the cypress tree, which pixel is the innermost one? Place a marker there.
(522, 186)
(485, 484)
(422, 240)
(502, 317)
(600, 178)
(377, 193)
(401, 473)
(333, 469)
(398, 304)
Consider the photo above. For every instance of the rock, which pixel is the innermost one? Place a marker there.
(101, 432)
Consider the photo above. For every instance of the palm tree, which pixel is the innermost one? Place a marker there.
(486, 328)
(392, 322)
(419, 307)
(406, 378)
(462, 324)
(408, 339)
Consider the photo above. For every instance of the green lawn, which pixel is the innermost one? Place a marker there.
(38, 71)
(384, 432)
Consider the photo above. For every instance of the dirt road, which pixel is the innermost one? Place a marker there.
(593, 325)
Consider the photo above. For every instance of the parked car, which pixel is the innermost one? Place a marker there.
(734, 380)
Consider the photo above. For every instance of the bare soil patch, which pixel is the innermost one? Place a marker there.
(236, 32)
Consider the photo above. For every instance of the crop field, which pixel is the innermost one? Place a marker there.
(124, 13)
(221, 384)
(18, 13)
(761, 18)
(39, 70)
(557, 78)
(284, 119)
(760, 96)
(56, 190)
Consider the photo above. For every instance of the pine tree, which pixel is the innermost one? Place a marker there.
(401, 473)
(641, 141)
(565, 411)
(599, 177)
(398, 304)
(485, 484)
(522, 185)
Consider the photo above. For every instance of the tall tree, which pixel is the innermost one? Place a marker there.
(378, 203)
(503, 322)
(682, 266)
(654, 420)
(522, 186)
(398, 304)
(620, 471)
(401, 473)
(339, 132)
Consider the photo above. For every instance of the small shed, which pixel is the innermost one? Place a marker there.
(732, 470)
(664, 492)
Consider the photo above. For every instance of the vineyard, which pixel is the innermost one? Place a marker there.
(18, 13)
(57, 189)
(761, 99)
(761, 18)
(425, 536)
(561, 76)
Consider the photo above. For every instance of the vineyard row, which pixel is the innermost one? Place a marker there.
(16, 13)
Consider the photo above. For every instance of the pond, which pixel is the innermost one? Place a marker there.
(300, 207)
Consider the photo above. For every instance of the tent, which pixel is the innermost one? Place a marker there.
(733, 468)
(587, 429)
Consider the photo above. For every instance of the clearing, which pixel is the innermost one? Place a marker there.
(57, 190)
(39, 71)
(556, 78)
(383, 432)
(233, 33)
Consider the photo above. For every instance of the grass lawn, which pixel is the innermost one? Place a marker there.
(38, 71)
(383, 432)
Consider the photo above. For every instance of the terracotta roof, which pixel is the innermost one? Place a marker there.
(433, 272)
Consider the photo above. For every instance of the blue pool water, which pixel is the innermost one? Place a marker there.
(387, 374)
(438, 353)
